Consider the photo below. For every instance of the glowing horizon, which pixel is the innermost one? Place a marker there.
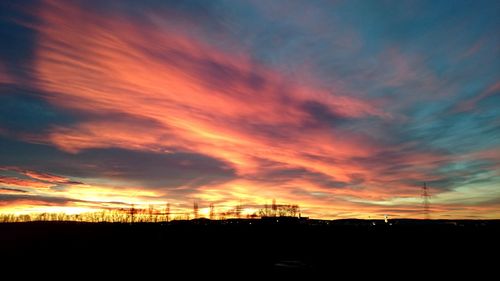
(345, 108)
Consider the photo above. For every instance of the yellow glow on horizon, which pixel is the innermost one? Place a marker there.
(30, 210)
(106, 194)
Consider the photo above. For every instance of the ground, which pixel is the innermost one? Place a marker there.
(253, 247)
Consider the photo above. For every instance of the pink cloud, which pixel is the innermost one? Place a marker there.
(175, 80)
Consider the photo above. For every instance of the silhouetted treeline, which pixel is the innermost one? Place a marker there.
(153, 214)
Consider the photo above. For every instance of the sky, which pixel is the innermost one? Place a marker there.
(345, 108)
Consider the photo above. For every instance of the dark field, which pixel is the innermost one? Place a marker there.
(254, 247)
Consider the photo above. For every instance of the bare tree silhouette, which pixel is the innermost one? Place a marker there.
(167, 212)
(132, 213)
(150, 213)
(238, 210)
(279, 210)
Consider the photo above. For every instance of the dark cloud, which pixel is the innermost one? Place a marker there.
(460, 173)
(400, 210)
(133, 167)
(120, 118)
(26, 111)
(321, 114)
(282, 175)
(150, 169)
(412, 165)
(439, 129)
(495, 202)
(7, 199)
(17, 46)
(213, 73)
(13, 190)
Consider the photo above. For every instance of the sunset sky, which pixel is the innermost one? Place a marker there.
(343, 107)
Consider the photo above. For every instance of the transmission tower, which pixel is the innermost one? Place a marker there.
(212, 211)
(195, 209)
(425, 201)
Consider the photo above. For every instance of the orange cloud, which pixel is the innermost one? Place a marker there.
(219, 104)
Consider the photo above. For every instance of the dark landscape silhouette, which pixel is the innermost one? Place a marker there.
(270, 245)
